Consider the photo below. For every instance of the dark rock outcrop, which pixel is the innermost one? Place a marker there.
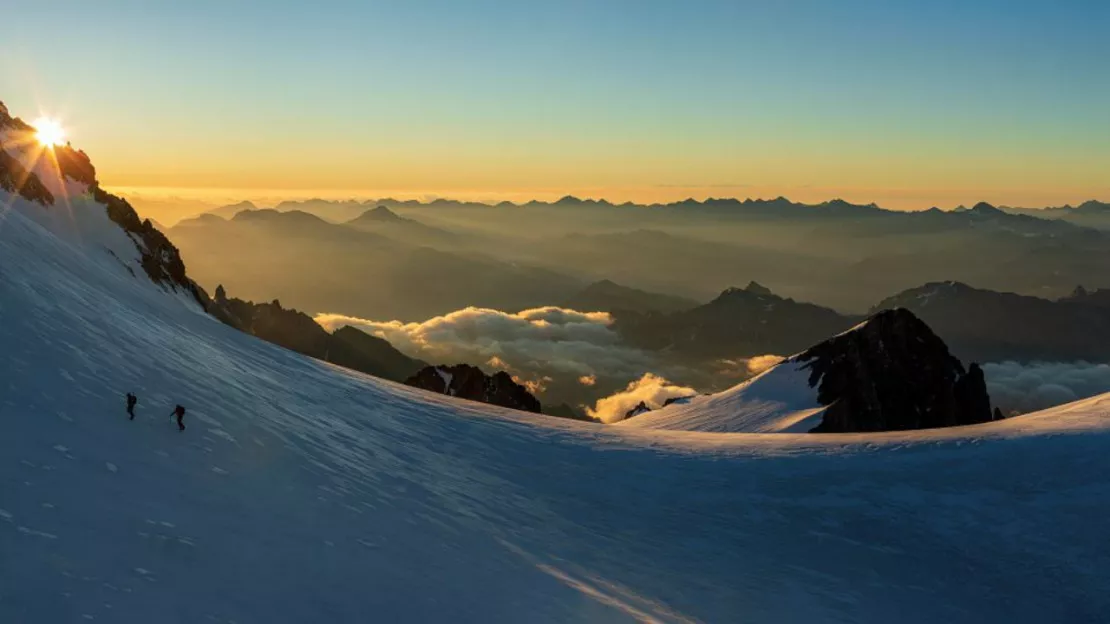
(159, 257)
(640, 408)
(358, 350)
(296, 331)
(893, 373)
(14, 178)
(469, 382)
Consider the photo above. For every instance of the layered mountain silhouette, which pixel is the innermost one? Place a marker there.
(382, 220)
(314, 264)
(994, 326)
(1099, 297)
(837, 254)
(231, 210)
(739, 322)
(608, 296)
(1093, 214)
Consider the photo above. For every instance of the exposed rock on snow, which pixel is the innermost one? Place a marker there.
(289, 328)
(641, 408)
(469, 382)
(46, 175)
(779, 400)
(888, 373)
(893, 373)
(14, 178)
(309, 493)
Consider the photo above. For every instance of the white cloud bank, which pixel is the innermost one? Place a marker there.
(652, 389)
(1027, 388)
(542, 339)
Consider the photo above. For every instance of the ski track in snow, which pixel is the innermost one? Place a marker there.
(360, 500)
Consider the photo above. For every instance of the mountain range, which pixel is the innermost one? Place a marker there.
(316, 265)
(976, 323)
(299, 491)
(836, 254)
(890, 372)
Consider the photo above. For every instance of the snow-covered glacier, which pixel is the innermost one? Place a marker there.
(301, 492)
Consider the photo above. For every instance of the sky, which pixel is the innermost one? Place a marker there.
(908, 104)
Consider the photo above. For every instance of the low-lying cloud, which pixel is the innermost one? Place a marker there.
(1024, 388)
(651, 389)
(560, 355)
(760, 363)
(743, 368)
(549, 339)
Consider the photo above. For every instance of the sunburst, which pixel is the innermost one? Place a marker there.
(48, 132)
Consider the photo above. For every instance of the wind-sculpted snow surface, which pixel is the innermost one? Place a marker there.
(301, 492)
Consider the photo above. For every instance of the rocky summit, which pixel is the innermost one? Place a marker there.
(469, 382)
(892, 373)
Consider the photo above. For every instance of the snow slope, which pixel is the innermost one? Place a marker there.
(778, 400)
(305, 493)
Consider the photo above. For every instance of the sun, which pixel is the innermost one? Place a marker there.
(48, 132)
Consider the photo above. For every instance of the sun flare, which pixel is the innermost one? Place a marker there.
(48, 132)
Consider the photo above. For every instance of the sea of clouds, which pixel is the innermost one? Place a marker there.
(541, 339)
(1022, 388)
(561, 347)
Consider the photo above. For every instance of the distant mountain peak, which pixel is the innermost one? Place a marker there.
(258, 213)
(756, 288)
(246, 204)
(275, 215)
(929, 293)
(985, 208)
(753, 289)
(381, 213)
(1092, 205)
(640, 408)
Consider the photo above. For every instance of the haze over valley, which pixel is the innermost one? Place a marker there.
(600, 312)
(687, 292)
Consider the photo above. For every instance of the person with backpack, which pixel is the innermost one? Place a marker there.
(131, 401)
(180, 413)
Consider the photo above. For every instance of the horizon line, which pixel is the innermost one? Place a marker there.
(223, 196)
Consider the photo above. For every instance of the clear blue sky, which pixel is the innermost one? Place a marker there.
(902, 102)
